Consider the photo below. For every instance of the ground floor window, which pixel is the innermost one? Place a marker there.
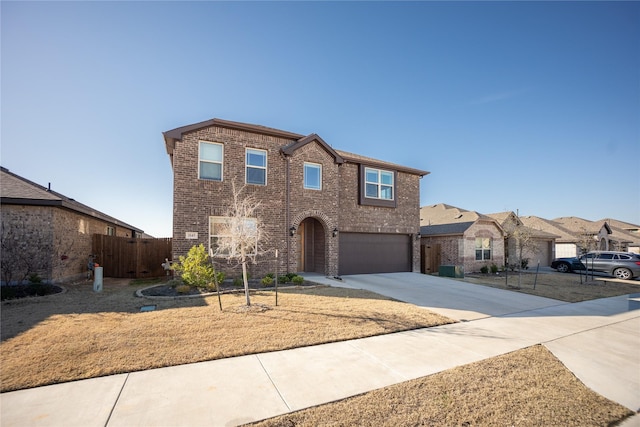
(227, 235)
(483, 248)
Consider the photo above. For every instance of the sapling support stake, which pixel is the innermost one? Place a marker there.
(215, 278)
(276, 277)
(535, 279)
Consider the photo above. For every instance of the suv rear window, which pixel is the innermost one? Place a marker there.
(605, 256)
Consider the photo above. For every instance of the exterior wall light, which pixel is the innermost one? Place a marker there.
(292, 231)
(418, 236)
(335, 232)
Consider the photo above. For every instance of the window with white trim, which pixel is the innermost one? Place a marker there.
(378, 184)
(483, 248)
(313, 176)
(235, 232)
(210, 156)
(256, 166)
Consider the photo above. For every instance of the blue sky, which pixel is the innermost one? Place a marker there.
(524, 106)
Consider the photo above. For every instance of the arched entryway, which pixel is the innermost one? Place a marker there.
(311, 246)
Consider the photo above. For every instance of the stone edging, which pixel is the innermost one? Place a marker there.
(208, 294)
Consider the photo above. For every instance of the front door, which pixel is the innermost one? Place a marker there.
(311, 246)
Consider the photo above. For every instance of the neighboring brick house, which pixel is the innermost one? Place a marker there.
(326, 211)
(461, 238)
(47, 233)
(578, 235)
(538, 246)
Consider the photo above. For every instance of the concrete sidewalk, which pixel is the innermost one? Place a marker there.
(598, 340)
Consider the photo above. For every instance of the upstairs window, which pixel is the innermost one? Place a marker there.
(378, 184)
(377, 187)
(210, 161)
(313, 176)
(483, 248)
(256, 167)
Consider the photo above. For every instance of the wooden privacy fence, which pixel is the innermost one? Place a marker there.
(132, 258)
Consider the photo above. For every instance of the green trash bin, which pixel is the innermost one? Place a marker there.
(456, 271)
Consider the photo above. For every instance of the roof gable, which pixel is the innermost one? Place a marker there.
(582, 226)
(291, 148)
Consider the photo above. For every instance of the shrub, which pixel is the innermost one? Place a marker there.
(267, 281)
(291, 276)
(494, 269)
(271, 275)
(34, 279)
(195, 269)
(183, 289)
(297, 280)
(237, 281)
(284, 279)
(524, 263)
(484, 269)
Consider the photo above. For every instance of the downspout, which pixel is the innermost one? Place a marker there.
(287, 210)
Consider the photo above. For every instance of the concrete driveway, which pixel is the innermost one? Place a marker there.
(599, 340)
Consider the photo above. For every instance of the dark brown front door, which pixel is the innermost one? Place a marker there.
(311, 244)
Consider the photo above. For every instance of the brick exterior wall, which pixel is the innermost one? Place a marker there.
(461, 249)
(334, 206)
(403, 219)
(56, 241)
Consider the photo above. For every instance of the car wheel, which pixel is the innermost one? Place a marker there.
(622, 273)
(563, 267)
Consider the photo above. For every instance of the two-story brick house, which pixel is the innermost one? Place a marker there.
(324, 210)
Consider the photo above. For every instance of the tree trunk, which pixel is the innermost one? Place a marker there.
(246, 282)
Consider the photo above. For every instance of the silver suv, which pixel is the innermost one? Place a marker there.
(622, 265)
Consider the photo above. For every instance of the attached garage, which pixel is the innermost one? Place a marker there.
(365, 253)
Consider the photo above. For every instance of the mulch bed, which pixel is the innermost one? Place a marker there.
(31, 290)
(166, 290)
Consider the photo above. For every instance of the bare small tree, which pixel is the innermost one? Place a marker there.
(524, 240)
(238, 234)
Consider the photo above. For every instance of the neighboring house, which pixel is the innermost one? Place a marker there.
(578, 235)
(47, 233)
(625, 235)
(460, 237)
(566, 242)
(538, 247)
(589, 235)
(324, 210)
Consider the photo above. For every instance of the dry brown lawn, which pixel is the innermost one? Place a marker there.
(529, 387)
(567, 287)
(82, 334)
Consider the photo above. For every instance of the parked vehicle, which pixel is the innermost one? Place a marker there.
(567, 265)
(622, 265)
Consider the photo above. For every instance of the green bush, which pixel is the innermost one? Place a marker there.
(183, 289)
(297, 280)
(195, 269)
(34, 279)
(494, 269)
(284, 279)
(484, 269)
(267, 281)
(237, 281)
(291, 276)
